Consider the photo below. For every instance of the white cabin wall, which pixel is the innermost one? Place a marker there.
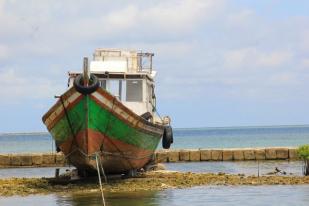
(137, 107)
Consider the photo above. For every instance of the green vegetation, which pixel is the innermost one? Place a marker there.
(150, 181)
(303, 153)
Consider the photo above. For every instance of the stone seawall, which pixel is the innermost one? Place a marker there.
(233, 154)
(183, 155)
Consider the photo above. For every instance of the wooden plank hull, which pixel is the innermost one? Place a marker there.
(84, 126)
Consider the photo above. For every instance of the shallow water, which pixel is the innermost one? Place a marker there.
(239, 167)
(209, 195)
(233, 167)
(31, 172)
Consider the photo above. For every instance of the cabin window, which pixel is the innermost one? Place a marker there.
(115, 88)
(102, 83)
(134, 90)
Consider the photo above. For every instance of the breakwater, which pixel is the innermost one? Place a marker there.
(161, 156)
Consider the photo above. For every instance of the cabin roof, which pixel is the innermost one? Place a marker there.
(115, 75)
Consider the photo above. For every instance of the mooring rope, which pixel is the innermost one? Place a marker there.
(99, 175)
(102, 169)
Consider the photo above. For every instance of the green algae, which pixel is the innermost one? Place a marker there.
(150, 181)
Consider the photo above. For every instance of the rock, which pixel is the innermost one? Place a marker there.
(15, 160)
(227, 155)
(37, 159)
(161, 156)
(173, 156)
(195, 155)
(293, 154)
(184, 155)
(4, 160)
(205, 155)
(216, 155)
(260, 154)
(282, 153)
(270, 153)
(26, 160)
(160, 166)
(249, 154)
(60, 159)
(49, 159)
(238, 154)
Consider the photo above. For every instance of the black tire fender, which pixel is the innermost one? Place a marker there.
(167, 139)
(79, 85)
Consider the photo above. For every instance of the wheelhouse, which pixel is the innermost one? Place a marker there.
(127, 75)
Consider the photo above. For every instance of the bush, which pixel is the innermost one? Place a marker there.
(303, 152)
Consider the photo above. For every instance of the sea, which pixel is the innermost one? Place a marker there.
(184, 138)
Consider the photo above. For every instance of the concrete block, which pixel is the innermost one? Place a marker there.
(26, 160)
(184, 155)
(4, 160)
(238, 154)
(270, 153)
(60, 159)
(227, 155)
(15, 160)
(205, 155)
(260, 154)
(37, 159)
(249, 154)
(161, 156)
(173, 156)
(216, 155)
(282, 153)
(195, 155)
(293, 154)
(49, 159)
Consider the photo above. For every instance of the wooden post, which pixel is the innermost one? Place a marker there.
(57, 173)
(86, 71)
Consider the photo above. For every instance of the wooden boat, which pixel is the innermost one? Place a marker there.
(110, 116)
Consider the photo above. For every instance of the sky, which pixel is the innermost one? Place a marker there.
(219, 62)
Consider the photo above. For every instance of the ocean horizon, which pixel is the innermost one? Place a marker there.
(179, 128)
(184, 138)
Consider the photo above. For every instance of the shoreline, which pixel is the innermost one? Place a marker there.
(149, 181)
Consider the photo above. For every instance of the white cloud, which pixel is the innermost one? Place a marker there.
(305, 63)
(18, 87)
(4, 52)
(254, 58)
(197, 43)
(241, 18)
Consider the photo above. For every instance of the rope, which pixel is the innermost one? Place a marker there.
(69, 122)
(102, 169)
(99, 175)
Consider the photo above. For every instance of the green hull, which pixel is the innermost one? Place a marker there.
(84, 126)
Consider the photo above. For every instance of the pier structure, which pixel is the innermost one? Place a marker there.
(162, 156)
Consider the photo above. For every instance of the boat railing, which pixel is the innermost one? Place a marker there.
(144, 62)
(123, 61)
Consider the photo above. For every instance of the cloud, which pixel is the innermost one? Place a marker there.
(4, 52)
(204, 49)
(20, 87)
(243, 18)
(254, 58)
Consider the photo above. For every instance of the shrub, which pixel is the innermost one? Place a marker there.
(303, 153)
